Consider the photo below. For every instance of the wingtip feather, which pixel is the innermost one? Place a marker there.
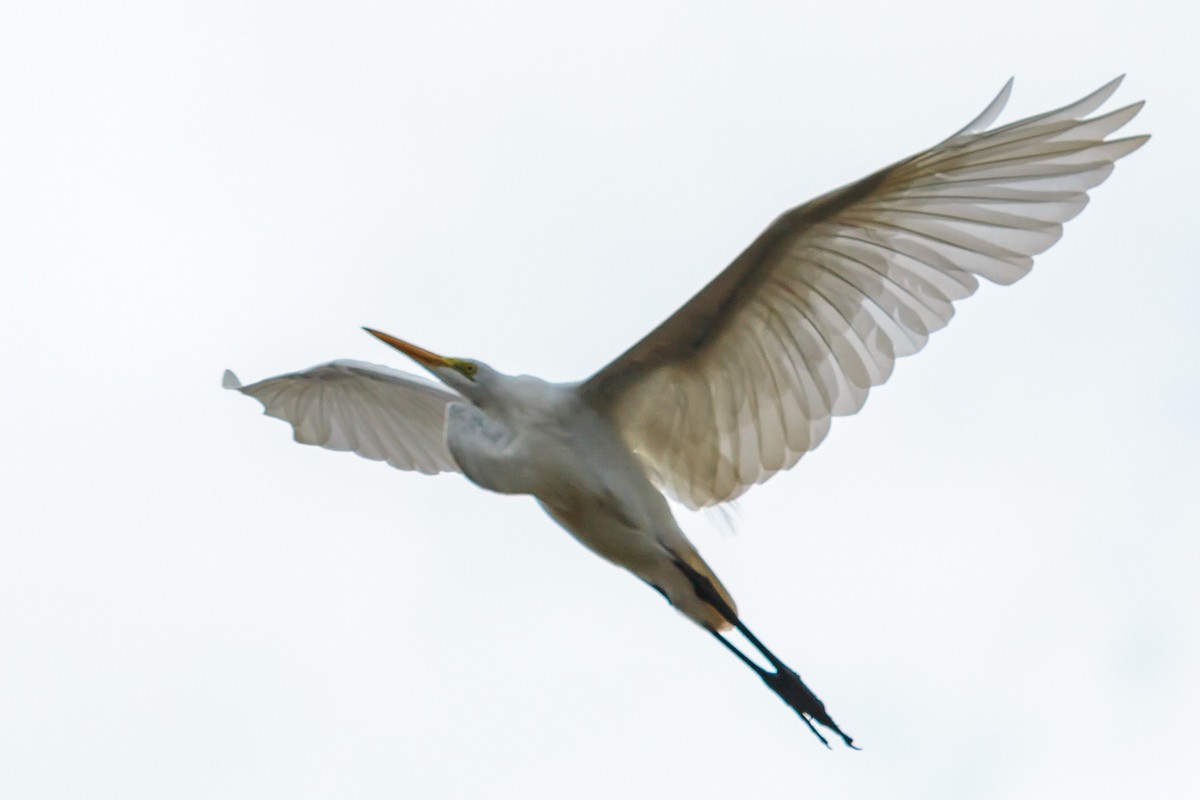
(1101, 95)
(230, 381)
(989, 114)
(1133, 143)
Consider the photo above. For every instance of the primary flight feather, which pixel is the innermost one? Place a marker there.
(746, 376)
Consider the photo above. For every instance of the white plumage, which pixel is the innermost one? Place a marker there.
(744, 379)
(746, 376)
(377, 412)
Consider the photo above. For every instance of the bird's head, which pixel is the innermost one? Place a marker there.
(471, 379)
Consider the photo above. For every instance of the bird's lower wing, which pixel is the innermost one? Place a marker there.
(379, 413)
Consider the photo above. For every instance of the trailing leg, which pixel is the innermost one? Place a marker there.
(783, 680)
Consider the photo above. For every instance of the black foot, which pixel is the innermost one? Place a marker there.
(787, 684)
(783, 681)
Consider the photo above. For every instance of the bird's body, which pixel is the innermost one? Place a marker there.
(544, 439)
(745, 378)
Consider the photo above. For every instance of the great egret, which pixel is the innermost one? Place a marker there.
(742, 380)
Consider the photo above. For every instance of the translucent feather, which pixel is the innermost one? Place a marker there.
(744, 379)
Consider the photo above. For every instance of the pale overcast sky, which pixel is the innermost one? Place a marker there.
(989, 575)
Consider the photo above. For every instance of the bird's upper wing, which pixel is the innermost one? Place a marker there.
(743, 379)
(380, 413)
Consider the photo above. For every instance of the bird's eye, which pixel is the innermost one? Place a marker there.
(469, 369)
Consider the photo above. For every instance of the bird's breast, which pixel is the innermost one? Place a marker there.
(556, 458)
(509, 458)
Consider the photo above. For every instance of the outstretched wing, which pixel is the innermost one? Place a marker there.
(743, 379)
(380, 413)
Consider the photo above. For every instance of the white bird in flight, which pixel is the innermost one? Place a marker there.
(744, 378)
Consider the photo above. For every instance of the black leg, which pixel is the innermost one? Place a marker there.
(783, 681)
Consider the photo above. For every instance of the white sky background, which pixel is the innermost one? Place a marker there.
(990, 575)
